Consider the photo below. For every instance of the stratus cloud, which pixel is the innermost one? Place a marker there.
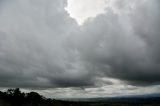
(41, 46)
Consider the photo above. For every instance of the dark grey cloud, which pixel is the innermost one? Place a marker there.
(33, 50)
(125, 44)
(41, 46)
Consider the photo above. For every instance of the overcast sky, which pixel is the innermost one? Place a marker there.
(80, 48)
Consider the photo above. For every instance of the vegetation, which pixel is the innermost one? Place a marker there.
(14, 97)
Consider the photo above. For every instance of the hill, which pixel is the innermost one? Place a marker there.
(14, 97)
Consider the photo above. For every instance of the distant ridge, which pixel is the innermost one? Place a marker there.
(142, 96)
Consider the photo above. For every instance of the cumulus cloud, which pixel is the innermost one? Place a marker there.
(33, 48)
(124, 43)
(42, 46)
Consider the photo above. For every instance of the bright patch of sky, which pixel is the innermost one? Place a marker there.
(81, 10)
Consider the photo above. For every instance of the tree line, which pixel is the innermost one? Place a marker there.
(14, 97)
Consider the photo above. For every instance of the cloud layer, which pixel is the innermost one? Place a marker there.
(41, 46)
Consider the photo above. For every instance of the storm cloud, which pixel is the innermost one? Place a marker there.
(124, 42)
(41, 46)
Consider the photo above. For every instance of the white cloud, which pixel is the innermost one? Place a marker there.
(81, 10)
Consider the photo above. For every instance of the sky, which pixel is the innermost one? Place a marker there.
(80, 48)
